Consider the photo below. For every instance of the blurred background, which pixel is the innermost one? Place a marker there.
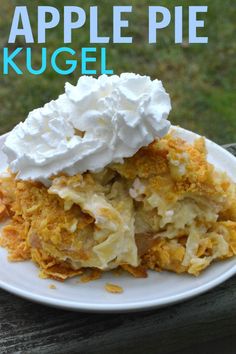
(201, 79)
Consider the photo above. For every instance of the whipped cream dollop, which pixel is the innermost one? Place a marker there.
(92, 124)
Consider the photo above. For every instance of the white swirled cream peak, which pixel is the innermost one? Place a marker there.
(92, 124)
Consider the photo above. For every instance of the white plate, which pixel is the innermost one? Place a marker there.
(159, 289)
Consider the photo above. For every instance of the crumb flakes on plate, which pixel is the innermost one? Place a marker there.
(113, 288)
(52, 286)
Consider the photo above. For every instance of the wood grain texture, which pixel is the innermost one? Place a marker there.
(231, 148)
(203, 325)
(26, 327)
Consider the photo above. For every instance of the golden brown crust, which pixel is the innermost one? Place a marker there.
(137, 272)
(184, 210)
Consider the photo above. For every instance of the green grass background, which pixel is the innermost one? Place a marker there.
(201, 79)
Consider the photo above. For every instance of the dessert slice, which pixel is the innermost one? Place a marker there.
(164, 208)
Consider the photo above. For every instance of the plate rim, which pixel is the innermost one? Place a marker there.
(131, 306)
(119, 308)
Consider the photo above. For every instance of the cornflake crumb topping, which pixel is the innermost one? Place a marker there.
(90, 223)
(52, 286)
(113, 288)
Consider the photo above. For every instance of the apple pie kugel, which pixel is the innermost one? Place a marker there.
(165, 208)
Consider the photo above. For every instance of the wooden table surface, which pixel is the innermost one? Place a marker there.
(204, 325)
